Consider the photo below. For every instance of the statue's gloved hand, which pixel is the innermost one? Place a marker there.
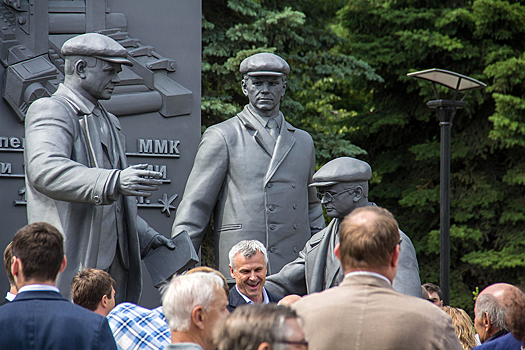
(137, 181)
(158, 241)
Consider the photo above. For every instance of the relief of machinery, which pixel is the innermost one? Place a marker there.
(32, 33)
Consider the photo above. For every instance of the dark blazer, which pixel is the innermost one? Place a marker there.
(237, 300)
(505, 342)
(45, 320)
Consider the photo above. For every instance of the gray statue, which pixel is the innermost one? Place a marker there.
(77, 175)
(253, 172)
(343, 186)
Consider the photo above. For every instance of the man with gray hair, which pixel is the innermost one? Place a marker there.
(491, 309)
(261, 327)
(194, 305)
(248, 261)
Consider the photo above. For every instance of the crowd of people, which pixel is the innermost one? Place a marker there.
(351, 285)
(201, 311)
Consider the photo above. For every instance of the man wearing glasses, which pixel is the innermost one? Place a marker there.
(342, 187)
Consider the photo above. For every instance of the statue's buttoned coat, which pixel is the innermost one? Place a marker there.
(256, 189)
(66, 189)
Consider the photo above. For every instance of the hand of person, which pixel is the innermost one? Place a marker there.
(157, 241)
(137, 181)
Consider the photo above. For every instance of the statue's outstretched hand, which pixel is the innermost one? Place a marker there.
(157, 241)
(137, 181)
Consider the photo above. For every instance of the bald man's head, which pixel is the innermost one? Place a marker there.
(491, 309)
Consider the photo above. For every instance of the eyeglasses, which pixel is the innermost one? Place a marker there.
(302, 343)
(328, 197)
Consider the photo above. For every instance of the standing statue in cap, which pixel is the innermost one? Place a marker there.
(252, 171)
(343, 187)
(77, 176)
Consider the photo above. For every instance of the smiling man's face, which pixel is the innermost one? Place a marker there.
(250, 275)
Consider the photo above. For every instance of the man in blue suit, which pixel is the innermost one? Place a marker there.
(39, 318)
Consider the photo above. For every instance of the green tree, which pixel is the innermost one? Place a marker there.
(478, 38)
(321, 77)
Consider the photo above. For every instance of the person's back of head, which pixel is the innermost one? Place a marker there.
(193, 305)
(491, 308)
(260, 327)
(38, 254)
(462, 325)
(94, 290)
(369, 237)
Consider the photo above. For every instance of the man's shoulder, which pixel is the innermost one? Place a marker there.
(505, 342)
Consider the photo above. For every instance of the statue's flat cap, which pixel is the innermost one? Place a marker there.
(96, 45)
(264, 64)
(344, 169)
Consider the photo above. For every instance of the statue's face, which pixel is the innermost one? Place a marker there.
(264, 92)
(337, 200)
(101, 79)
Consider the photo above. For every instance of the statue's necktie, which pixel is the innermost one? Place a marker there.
(274, 128)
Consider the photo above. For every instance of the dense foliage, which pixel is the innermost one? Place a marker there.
(349, 89)
(479, 39)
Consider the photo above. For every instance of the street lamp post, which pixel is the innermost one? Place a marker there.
(446, 110)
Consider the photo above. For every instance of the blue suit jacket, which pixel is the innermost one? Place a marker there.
(44, 320)
(505, 342)
(237, 300)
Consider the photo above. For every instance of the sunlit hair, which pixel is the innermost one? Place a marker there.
(184, 293)
(495, 310)
(247, 248)
(89, 286)
(251, 325)
(210, 270)
(368, 237)
(463, 326)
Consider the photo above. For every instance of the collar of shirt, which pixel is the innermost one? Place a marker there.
(263, 120)
(368, 273)
(81, 103)
(38, 288)
(10, 296)
(266, 300)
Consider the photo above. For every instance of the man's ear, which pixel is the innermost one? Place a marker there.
(244, 89)
(264, 346)
(16, 266)
(337, 251)
(486, 321)
(231, 272)
(104, 301)
(197, 316)
(395, 256)
(358, 194)
(284, 88)
(80, 68)
(64, 264)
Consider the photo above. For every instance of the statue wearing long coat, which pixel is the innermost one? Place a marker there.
(68, 187)
(257, 188)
